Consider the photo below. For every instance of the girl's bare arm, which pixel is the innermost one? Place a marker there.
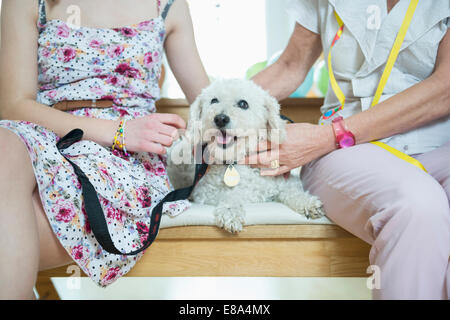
(18, 87)
(182, 52)
(18, 80)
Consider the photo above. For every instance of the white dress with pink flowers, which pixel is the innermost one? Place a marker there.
(81, 63)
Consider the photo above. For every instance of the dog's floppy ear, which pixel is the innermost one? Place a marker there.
(193, 131)
(276, 130)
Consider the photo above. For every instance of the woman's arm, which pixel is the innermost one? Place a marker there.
(414, 107)
(18, 80)
(18, 87)
(288, 72)
(182, 53)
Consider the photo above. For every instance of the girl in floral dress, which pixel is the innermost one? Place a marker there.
(43, 222)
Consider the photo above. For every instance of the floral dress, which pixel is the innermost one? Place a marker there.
(82, 63)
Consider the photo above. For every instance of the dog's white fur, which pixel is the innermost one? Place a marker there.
(263, 113)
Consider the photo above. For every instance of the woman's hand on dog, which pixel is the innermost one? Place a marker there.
(153, 133)
(304, 143)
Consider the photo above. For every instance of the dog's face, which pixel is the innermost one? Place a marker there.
(232, 116)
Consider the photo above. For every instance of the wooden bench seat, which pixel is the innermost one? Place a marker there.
(259, 251)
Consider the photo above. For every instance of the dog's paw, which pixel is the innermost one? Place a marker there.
(313, 207)
(315, 211)
(230, 218)
(308, 205)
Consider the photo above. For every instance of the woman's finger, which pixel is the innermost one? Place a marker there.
(152, 147)
(156, 137)
(162, 139)
(251, 159)
(168, 131)
(264, 146)
(171, 119)
(275, 172)
(261, 159)
(268, 162)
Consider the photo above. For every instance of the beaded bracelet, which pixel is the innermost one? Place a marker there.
(123, 138)
(120, 134)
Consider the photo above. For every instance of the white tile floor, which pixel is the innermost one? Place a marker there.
(212, 288)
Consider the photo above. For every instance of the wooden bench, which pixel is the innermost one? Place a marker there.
(259, 251)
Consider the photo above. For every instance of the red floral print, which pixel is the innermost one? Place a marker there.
(63, 30)
(66, 54)
(65, 210)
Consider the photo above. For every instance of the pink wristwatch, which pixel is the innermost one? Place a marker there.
(344, 137)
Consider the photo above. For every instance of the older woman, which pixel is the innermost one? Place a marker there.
(401, 210)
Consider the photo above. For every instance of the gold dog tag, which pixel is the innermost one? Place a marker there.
(231, 176)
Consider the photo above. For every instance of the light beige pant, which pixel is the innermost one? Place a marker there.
(399, 209)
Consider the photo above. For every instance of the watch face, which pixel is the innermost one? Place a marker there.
(347, 141)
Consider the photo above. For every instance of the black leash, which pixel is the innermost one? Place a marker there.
(94, 211)
(286, 118)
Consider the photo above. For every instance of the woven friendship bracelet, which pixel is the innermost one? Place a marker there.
(119, 138)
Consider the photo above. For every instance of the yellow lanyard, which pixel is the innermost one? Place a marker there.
(384, 77)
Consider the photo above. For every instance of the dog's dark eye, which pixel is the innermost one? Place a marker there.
(214, 100)
(242, 104)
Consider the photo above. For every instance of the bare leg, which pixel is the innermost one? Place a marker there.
(19, 238)
(19, 226)
(52, 253)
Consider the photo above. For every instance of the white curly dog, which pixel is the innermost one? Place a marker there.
(231, 116)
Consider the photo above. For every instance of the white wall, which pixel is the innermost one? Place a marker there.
(279, 26)
(232, 35)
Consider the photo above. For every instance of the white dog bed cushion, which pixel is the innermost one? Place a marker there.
(256, 213)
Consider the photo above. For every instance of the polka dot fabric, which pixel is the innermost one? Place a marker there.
(122, 64)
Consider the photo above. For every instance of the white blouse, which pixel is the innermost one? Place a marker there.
(359, 57)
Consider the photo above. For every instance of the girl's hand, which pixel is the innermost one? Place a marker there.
(305, 142)
(153, 132)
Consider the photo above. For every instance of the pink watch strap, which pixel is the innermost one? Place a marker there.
(344, 137)
(338, 126)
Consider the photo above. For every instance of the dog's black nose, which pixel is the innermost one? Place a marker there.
(221, 120)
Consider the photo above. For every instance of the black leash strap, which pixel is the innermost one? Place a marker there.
(286, 118)
(94, 211)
